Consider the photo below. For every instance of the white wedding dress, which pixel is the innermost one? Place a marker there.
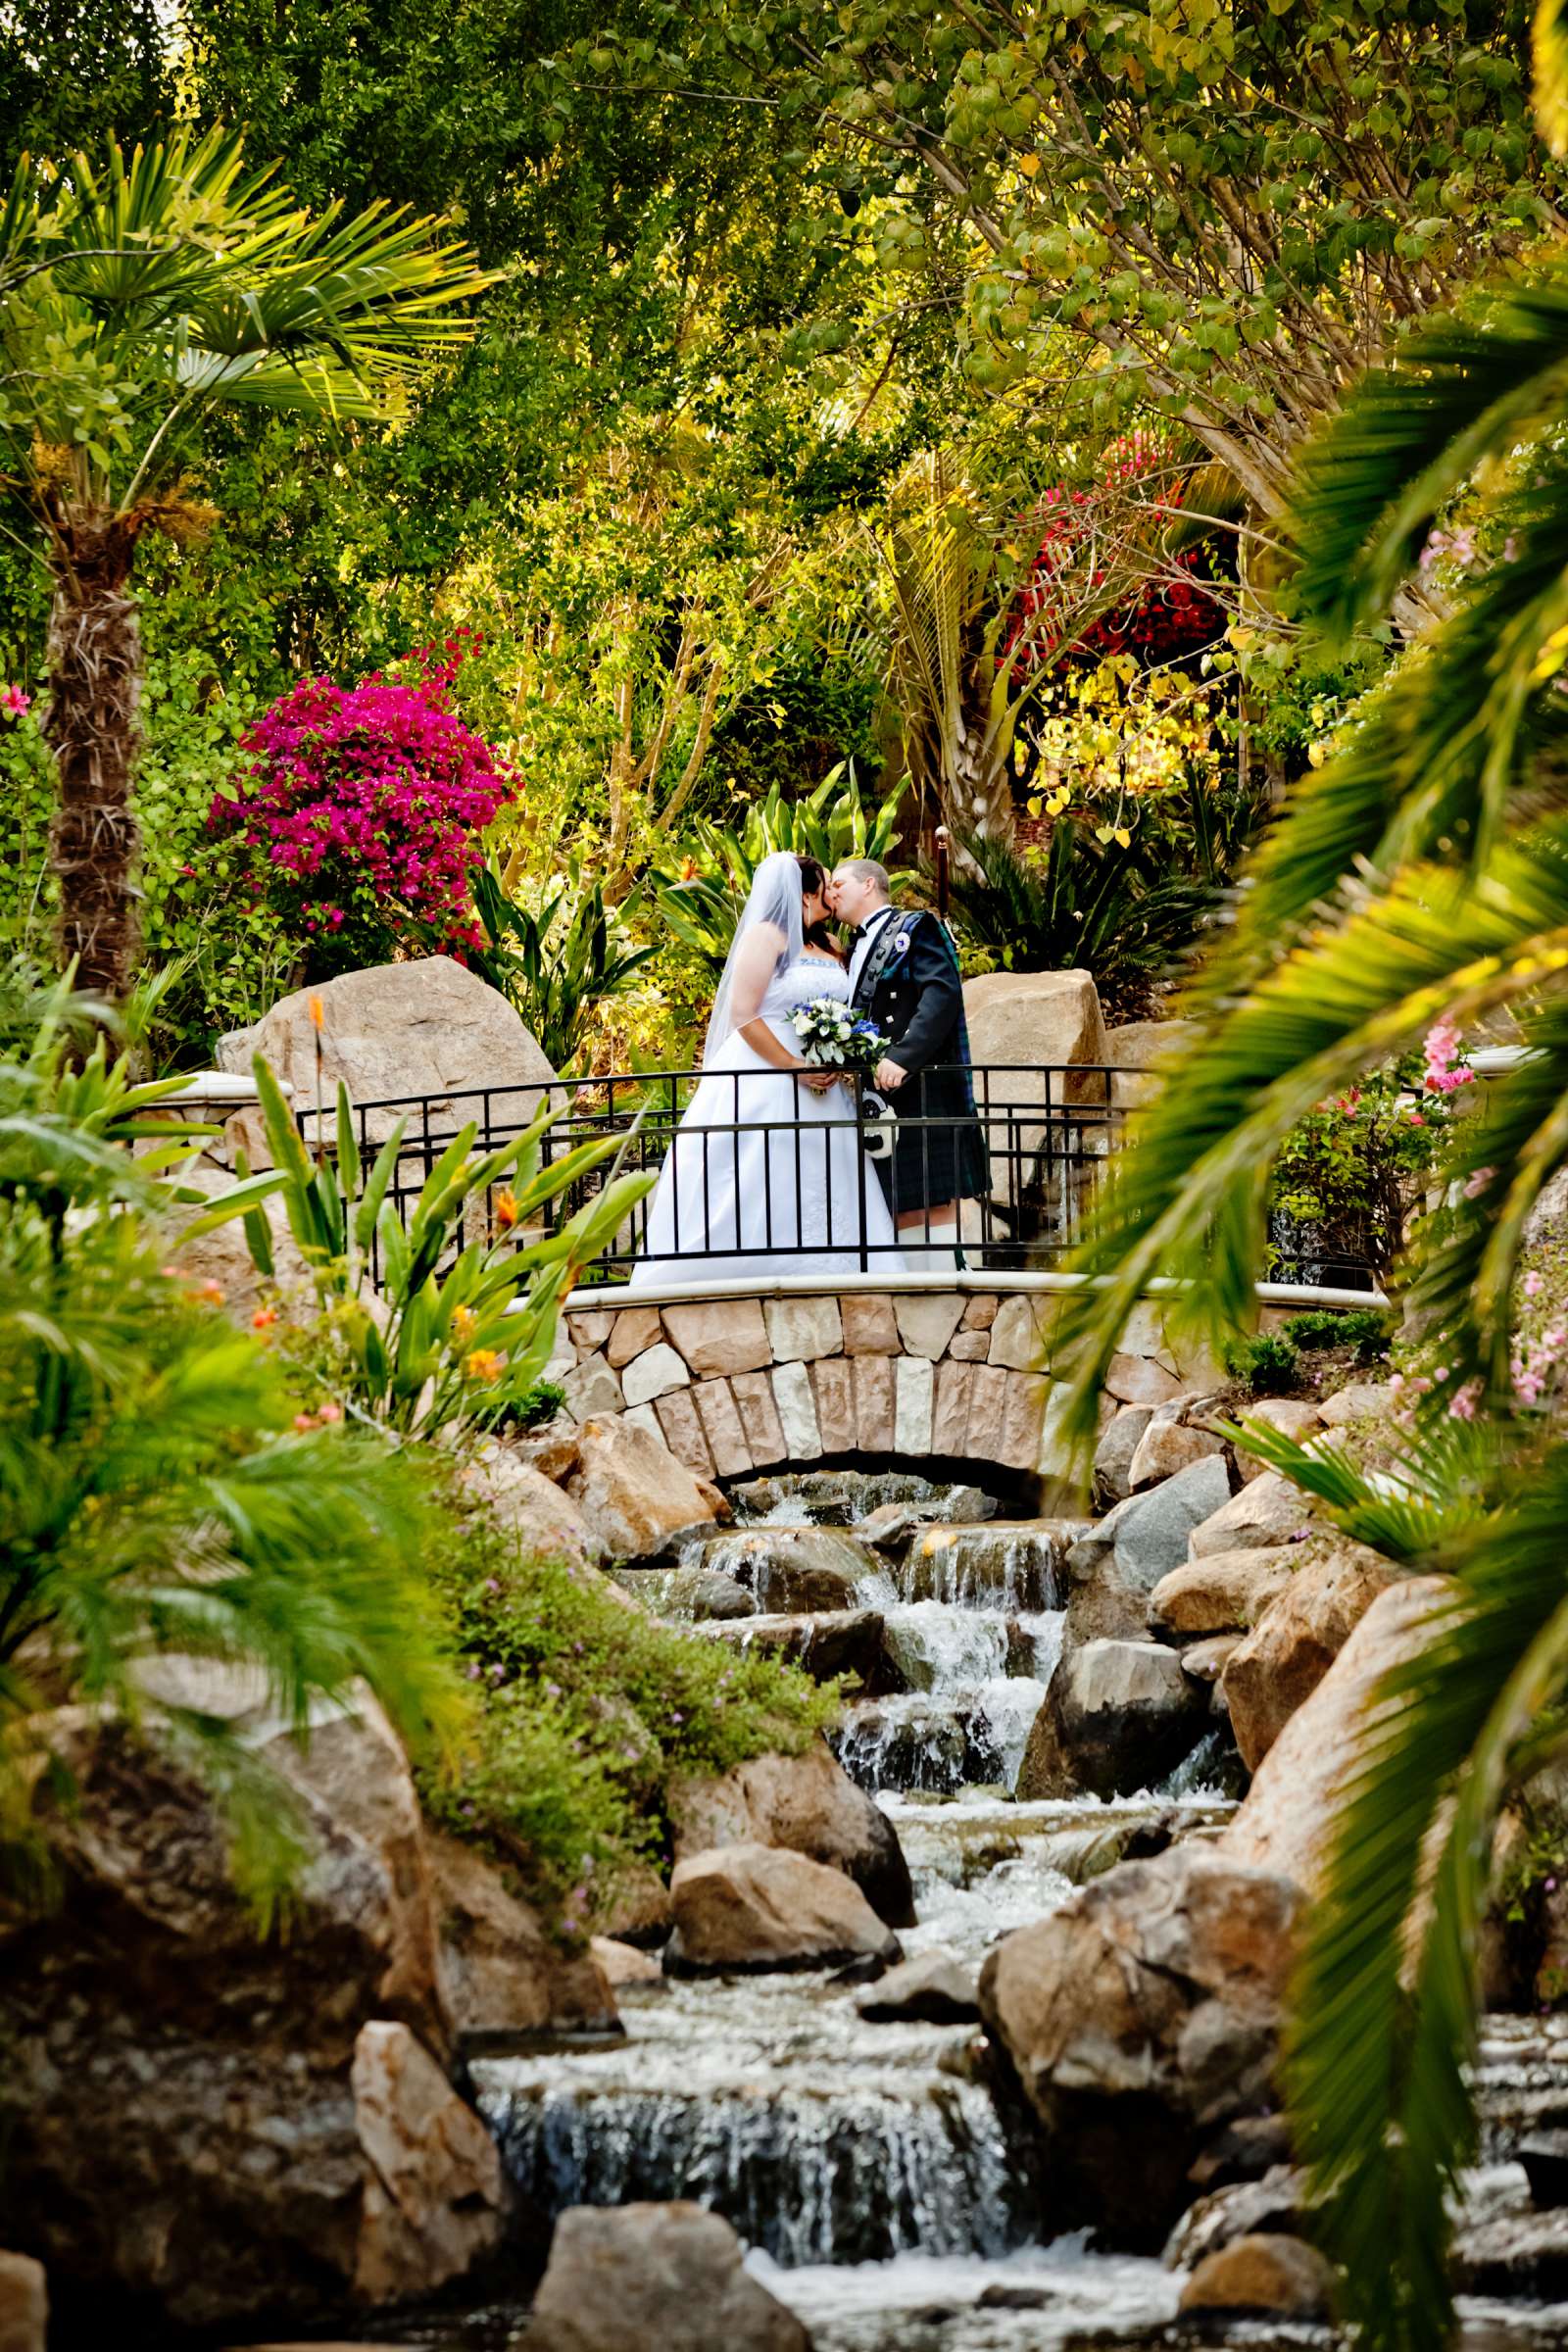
(765, 1175)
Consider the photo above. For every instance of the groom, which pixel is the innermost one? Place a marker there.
(904, 977)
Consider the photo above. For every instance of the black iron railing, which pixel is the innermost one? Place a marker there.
(771, 1174)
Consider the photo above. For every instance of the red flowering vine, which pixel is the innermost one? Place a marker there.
(1163, 619)
(363, 805)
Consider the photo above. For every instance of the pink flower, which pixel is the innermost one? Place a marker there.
(1462, 1403)
(1532, 1286)
(1476, 1184)
(14, 701)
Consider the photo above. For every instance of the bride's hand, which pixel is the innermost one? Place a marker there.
(819, 1081)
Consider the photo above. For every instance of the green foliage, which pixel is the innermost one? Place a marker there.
(1107, 909)
(1368, 1330)
(1351, 1172)
(588, 1710)
(1268, 1364)
(154, 1494)
(558, 966)
(1421, 875)
(458, 1334)
(835, 821)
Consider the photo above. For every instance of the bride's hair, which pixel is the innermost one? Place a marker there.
(820, 936)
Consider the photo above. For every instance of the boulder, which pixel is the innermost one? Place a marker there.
(1138, 2020)
(528, 1503)
(1272, 2206)
(757, 1909)
(1294, 1417)
(671, 2276)
(935, 1988)
(264, 2119)
(1206, 1661)
(632, 1492)
(1268, 1510)
(790, 1568)
(1032, 1027)
(434, 2198)
(1358, 1401)
(1114, 1567)
(1113, 1455)
(1284, 1821)
(24, 2304)
(430, 1027)
(499, 1970)
(1135, 1051)
(1116, 1716)
(222, 1256)
(808, 1804)
(825, 1644)
(1223, 1592)
(1166, 1447)
(698, 1595)
(1295, 1639)
(1282, 2275)
(623, 1964)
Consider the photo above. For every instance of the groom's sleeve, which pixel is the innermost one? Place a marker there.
(933, 967)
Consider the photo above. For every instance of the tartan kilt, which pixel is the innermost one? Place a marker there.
(929, 1165)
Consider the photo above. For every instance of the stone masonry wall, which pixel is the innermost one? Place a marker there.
(735, 1385)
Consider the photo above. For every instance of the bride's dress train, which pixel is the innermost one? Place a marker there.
(765, 1176)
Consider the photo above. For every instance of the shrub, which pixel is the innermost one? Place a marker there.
(1368, 1330)
(1264, 1364)
(1350, 1174)
(361, 810)
(588, 1710)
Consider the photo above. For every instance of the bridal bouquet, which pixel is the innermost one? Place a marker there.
(834, 1037)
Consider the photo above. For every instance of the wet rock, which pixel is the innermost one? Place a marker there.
(1015, 1565)
(623, 1964)
(666, 2276)
(121, 2168)
(499, 1970)
(632, 1492)
(1167, 1447)
(793, 1569)
(1513, 2255)
(808, 1804)
(433, 2200)
(1115, 1568)
(921, 1746)
(1139, 2020)
(1544, 2158)
(1283, 1821)
(24, 2304)
(1223, 1592)
(1295, 1639)
(1113, 1455)
(1271, 2206)
(636, 1909)
(750, 1909)
(935, 1988)
(1267, 1511)
(825, 1645)
(1284, 2275)
(844, 1497)
(1116, 1718)
(696, 1595)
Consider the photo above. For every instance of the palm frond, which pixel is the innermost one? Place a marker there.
(1380, 2105)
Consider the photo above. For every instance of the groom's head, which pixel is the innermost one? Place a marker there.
(859, 886)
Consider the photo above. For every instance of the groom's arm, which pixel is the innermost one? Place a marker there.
(934, 969)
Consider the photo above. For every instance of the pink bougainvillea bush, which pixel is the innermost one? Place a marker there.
(362, 808)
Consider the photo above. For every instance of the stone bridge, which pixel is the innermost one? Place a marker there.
(948, 1369)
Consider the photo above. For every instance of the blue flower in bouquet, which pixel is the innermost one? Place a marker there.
(833, 1037)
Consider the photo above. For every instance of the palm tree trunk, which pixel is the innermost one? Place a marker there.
(95, 665)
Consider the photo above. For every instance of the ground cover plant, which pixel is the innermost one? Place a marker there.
(589, 1710)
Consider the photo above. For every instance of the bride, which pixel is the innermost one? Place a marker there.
(766, 1173)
